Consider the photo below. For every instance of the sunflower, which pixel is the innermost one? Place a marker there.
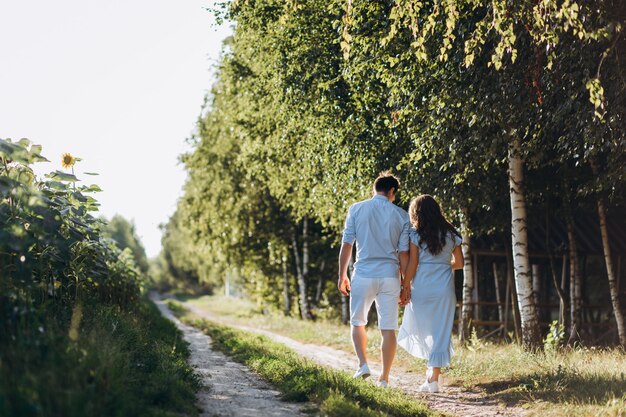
(68, 160)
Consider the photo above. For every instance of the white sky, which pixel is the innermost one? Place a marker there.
(117, 83)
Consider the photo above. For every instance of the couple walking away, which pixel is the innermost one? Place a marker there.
(401, 259)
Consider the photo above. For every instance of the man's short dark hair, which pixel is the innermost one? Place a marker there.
(385, 182)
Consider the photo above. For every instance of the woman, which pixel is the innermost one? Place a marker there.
(426, 330)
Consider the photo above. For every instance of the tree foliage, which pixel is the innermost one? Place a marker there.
(314, 98)
(125, 236)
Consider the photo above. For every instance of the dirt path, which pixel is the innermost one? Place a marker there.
(453, 400)
(229, 388)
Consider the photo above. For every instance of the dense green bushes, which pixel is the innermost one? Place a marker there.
(75, 336)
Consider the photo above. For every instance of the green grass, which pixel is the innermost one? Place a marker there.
(336, 393)
(578, 382)
(175, 307)
(121, 363)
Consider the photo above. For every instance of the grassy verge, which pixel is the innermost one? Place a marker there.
(301, 380)
(107, 362)
(579, 382)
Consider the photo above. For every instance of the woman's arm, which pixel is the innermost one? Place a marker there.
(409, 273)
(411, 267)
(457, 258)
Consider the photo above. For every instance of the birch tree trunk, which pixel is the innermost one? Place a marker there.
(606, 247)
(536, 286)
(303, 271)
(296, 257)
(531, 334)
(468, 281)
(286, 295)
(559, 290)
(617, 308)
(510, 279)
(320, 284)
(496, 281)
(574, 283)
(227, 285)
(558, 287)
(507, 299)
(563, 286)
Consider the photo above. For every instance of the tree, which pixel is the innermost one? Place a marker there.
(123, 233)
(510, 37)
(297, 125)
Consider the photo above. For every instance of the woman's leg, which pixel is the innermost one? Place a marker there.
(433, 374)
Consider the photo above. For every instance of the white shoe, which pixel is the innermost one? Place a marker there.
(382, 384)
(429, 387)
(363, 372)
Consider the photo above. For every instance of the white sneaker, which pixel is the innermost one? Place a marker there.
(382, 384)
(363, 372)
(429, 387)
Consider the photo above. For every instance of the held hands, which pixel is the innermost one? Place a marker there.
(405, 292)
(344, 285)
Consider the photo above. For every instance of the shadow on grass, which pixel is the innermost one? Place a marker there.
(563, 385)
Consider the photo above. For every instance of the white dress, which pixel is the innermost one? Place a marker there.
(426, 330)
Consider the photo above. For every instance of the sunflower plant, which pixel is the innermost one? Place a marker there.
(68, 161)
(51, 247)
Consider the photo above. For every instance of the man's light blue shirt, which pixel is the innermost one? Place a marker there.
(381, 230)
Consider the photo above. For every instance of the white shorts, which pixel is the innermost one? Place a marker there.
(385, 291)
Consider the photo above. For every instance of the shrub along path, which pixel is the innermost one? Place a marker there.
(229, 388)
(453, 400)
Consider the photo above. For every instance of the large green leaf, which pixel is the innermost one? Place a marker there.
(62, 176)
(93, 188)
(7, 185)
(14, 152)
(20, 152)
(35, 151)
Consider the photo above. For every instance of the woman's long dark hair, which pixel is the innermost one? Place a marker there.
(432, 226)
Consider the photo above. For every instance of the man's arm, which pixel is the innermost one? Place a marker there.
(347, 240)
(403, 244)
(344, 259)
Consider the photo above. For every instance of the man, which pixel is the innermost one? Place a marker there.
(381, 231)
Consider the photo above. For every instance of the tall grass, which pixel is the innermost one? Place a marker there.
(117, 363)
(572, 382)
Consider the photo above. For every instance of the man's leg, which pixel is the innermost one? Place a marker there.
(387, 352)
(359, 341)
(362, 296)
(387, 307)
